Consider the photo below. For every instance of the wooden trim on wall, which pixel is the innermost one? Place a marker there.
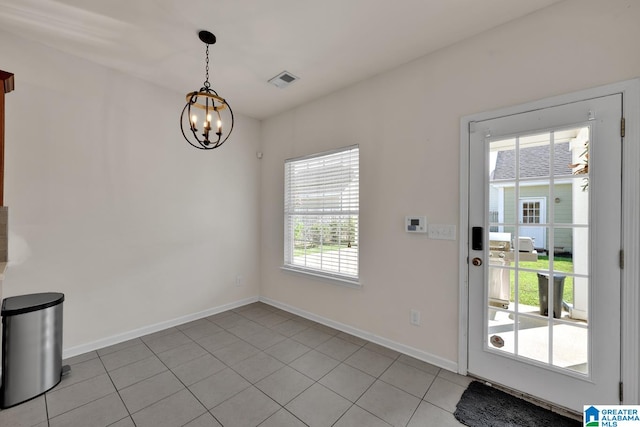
(8, 85)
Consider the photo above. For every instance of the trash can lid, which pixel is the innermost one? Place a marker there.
(555, 276)
(31, 302)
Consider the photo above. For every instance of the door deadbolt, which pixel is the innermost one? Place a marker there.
(476, 261)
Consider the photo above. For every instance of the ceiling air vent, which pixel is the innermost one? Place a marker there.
(283, 79)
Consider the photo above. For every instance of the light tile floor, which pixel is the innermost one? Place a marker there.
(252, 366)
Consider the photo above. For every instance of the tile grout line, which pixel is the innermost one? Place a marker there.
(231, 368)
(207, 410)
(138, 382)
(80, 406)
(181, 382)
(422, 399)
(277, 403)
(117, 391)
(254, 384)
(86, 403)
(246, 379)
(423, 396)
(46, 409)
(287, 365)
(341, 362)
(256, 320)
(378, 378)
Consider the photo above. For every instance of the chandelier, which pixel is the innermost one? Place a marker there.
(207, 119)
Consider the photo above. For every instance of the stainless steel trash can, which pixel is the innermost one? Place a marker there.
(31, 346)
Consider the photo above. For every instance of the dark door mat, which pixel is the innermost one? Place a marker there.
(484, 406)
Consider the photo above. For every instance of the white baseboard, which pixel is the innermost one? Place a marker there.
(405, 349)
(136, 333)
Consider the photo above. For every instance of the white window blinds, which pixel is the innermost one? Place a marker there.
(321, 208)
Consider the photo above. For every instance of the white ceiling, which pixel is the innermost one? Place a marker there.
(329, 44)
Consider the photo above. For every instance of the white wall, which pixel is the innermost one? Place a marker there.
(109, 205)
(406, 122)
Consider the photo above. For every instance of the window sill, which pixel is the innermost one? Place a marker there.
(350, 283)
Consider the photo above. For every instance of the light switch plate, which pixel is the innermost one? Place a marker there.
(442, 231)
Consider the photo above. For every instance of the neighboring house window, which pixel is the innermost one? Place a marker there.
(530, 212)
(321, 214)
(533, 212)
(494, 217)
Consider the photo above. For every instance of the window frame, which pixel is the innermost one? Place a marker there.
(319, 216)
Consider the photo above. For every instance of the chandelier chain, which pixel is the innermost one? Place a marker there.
(206, 80)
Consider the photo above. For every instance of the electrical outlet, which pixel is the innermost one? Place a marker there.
(415, 317)
(239, 280)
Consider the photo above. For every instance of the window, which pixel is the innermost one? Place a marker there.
(321, 209)
(531, 212)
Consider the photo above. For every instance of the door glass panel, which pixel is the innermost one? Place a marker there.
(563, 244)
(533, 340)
(502, 165)
(571, 194)
(533, 155)
(499, 283)
(532, 215)
(570, 349)
(501, 335)
(580, 298)
(528, 298)
(580, 248)
(537, 260)
(502, 160)
(537, 295)
(567, 296)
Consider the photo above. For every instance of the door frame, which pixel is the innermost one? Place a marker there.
(630, 274)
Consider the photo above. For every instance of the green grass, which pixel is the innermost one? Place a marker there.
(528, 281)
(317, 249)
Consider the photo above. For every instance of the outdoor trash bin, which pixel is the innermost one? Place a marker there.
(543, 293)
(31, 346)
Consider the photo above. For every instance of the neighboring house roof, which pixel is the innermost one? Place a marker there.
(534, 162)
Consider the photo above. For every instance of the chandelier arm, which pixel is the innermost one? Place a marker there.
(231, 128)
(193, 128)
(188, 110)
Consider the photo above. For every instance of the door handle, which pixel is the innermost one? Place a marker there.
(476, 261)
(477, 237)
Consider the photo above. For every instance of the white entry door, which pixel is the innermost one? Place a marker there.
(547, 324)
